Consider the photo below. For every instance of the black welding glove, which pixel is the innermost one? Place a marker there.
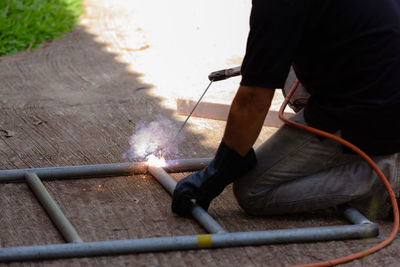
(203, 186)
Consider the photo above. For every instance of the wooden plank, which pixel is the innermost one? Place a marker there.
(218, 111)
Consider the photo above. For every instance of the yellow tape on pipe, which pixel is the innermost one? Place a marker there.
(204, 241)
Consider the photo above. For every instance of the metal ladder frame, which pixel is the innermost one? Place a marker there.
(361, 227)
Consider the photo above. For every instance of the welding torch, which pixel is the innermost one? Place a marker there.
(213, 77)
(224, 74)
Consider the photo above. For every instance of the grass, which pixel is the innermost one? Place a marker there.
(25, 24)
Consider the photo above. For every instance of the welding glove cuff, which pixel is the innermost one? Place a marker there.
(204, 185)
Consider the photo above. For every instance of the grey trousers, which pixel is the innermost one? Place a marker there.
(297, 172)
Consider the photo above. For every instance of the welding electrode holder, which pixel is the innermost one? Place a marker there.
(224, 74)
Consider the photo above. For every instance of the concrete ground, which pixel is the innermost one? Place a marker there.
(76, 101)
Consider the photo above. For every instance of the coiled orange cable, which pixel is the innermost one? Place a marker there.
(395, 228)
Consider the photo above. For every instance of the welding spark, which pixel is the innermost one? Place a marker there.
(155, 161)
(151, 137)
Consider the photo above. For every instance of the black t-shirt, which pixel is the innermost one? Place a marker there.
(347, 55)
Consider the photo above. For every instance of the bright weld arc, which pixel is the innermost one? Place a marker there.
(156, 161)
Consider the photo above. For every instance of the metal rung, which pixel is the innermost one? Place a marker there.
(53, 210)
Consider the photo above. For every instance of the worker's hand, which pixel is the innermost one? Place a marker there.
(203, 186)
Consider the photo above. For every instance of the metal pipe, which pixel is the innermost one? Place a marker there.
(53, 210)
(163, 178)
(182, 165)
(101, 170)
(353, 215)
(201, 216)
(187, 242)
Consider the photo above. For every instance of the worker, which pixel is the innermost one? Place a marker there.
(347, 56)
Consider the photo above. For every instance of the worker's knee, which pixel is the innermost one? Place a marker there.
(245, 196)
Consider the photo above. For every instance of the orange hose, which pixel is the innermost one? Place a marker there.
(395, 228)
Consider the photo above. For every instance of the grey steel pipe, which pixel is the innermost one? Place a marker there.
(53, 210)
(181, 165)
(101, 170)
(163, 178)
(201, 216)
(187, 242)
(353, 215)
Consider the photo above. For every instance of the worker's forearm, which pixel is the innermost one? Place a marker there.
(246, 117)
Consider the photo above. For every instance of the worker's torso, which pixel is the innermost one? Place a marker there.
(349, 60)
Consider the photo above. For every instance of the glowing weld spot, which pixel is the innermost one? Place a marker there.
(156, 162)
